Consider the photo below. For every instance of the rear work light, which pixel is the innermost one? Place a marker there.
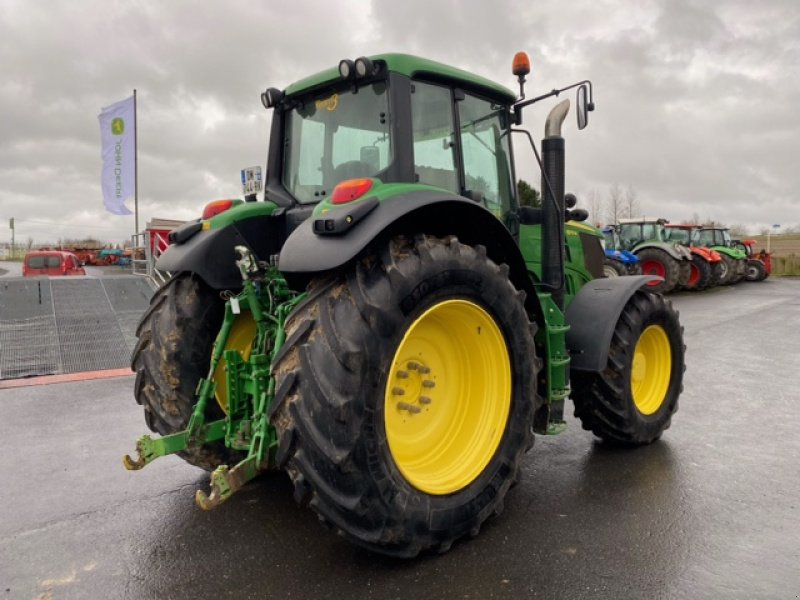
(349, 190)
(215, 207)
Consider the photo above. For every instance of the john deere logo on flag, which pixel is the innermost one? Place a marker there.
(118, 126)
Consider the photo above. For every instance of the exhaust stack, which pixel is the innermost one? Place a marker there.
(553, 203)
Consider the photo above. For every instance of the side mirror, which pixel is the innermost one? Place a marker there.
(583, 106)
(576, 214)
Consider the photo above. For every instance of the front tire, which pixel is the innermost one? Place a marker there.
(405, 395)
(633, 399)
(613, 268)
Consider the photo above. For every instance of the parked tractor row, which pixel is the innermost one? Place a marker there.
(685, 257)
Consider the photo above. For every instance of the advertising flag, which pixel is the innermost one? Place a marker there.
(118, 138)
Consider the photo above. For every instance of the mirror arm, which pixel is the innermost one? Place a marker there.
(589, 106)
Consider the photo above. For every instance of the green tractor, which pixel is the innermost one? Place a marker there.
(388, 325)
(734, 260)
(648, 240)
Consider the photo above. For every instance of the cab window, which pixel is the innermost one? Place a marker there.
(432, 130)
(486, 153)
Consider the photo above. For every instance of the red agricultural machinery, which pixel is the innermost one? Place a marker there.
(706, 267)
(759, 264)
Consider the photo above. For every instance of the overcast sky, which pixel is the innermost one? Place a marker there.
(697, 101)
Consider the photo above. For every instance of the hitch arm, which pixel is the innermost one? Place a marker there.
(148, 448)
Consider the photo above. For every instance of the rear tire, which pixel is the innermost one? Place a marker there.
(700, 277)
(657, 262)
(341, 381)
(171, 355)
(633, 399)
(728, 270)
(684, 273)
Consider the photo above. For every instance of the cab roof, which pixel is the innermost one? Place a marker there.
(411, 66)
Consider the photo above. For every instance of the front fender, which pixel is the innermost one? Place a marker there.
(592, 317)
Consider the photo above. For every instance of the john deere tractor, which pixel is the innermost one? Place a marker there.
(388, 325)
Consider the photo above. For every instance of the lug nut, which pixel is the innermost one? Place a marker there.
(396, 391)
(409, 407)
(424, 370)
(402, 374)
(424, 400)
(412, 366)
(428, 383)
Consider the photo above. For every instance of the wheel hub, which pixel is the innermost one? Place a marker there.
(651, 369)
(447, 397)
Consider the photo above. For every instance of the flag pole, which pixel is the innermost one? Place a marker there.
(135, 166)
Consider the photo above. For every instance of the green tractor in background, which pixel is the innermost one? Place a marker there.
(389, 326)
(648, 240)
(734, 260)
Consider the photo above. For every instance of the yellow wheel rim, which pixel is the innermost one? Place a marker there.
(651, 370)
(241, 337)
(448, 396)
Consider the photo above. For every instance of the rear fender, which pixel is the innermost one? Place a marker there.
(210, 251)
(670, 249)
(592, 317)
(307, 254)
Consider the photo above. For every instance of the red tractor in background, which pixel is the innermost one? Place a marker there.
(706, 267)
(759, 264)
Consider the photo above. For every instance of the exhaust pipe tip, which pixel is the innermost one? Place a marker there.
(552, 126)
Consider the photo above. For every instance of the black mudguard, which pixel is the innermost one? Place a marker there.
(307, 253)
(593, 315)
(668, 248)
(211, 253)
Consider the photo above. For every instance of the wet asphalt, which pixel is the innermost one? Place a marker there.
(710, 511)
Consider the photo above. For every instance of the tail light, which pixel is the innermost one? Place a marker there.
(349, 190)
(216, 207)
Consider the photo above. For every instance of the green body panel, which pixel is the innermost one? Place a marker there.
(240, 212)
(411, 66)
(575, 272)
(732, 252)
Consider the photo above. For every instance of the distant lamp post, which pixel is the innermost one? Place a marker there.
(769, 231)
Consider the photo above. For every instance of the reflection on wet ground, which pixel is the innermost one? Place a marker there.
(710, 511)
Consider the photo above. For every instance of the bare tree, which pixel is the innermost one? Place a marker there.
(595, 208)
(630, 205)
(695, 220)
(615, 205)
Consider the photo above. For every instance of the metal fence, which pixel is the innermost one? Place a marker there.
(68, 324)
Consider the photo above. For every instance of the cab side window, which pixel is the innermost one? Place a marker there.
(433, 131)
(486, 153)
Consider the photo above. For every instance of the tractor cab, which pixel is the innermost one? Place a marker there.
(632, 232)
(712, 236)
(392, 119)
